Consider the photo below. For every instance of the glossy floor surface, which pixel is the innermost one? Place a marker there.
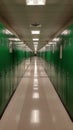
(35, 104)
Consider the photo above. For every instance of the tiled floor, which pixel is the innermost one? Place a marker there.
(35, 104)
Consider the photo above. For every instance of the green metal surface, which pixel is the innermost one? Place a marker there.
(12, 67)
(60, 71)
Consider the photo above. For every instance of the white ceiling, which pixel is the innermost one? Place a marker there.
(53, 16)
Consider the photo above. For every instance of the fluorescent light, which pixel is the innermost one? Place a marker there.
(65, 32)
(19, 43)
(35, 2)
(6, 31)
(35, 32)
(47, 45)
(56, 39)
(35, 39)
(35, 43)
(35, 49)
(51, 43)
(14, 39)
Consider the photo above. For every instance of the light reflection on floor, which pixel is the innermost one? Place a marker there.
(35, 95)
(35, 69)
(35, 116)
(35, 88)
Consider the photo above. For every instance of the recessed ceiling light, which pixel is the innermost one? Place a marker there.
(56, 39)
(35, 2)
(6, 31)
(35, 43)
(35, 39)
(14, 39)
(47, 45)
(65, 32)
(35, 46)
(35, 32)
(52, 43)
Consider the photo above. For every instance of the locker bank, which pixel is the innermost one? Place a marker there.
(36, 65)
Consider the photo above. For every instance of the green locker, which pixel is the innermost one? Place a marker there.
(60, 70)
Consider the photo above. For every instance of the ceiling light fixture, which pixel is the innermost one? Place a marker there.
(35, 2)
(35, 39)
(66, 32)
(56, 39)
(51, 43)
(47, 45)
(6, 31)
(35, 46)
(35, 43)
(14, 39)
(35, 32)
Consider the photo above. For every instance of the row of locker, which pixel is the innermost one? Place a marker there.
(60, 70)
(12, 67)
